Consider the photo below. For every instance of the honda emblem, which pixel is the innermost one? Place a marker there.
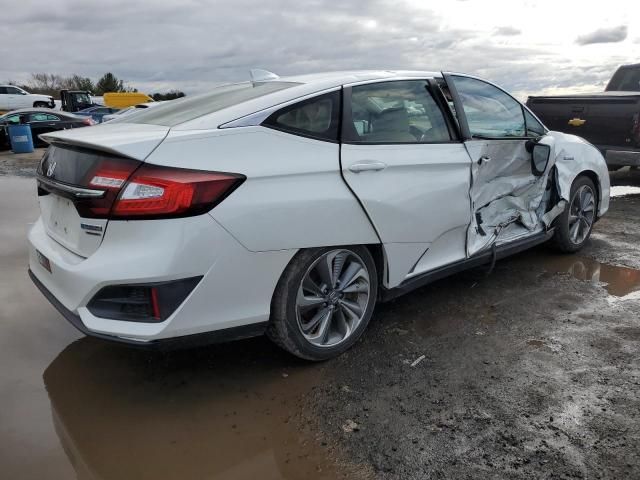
(51, 169)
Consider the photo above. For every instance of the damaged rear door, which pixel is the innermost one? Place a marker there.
(509, 197)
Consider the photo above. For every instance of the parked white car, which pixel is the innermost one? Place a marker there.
(12, 98)
(291, 206)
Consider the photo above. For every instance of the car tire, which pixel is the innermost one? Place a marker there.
(323, 301)
(41, 105)
(573, 226)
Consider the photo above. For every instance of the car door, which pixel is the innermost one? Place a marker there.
(42, 123)
(13, 119)
(402, 158)
(16, 98)
(506, 195)
(4, 100)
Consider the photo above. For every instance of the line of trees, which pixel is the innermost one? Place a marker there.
(51, 84)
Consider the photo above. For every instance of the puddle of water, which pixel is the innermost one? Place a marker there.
(622, 190)
(124, 414)
(620, 281)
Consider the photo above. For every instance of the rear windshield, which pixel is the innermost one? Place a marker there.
(625, 79)
(185, 109)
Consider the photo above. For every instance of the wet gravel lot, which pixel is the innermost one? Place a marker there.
(530, 372)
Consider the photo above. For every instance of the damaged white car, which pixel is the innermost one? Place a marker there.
(291, 206)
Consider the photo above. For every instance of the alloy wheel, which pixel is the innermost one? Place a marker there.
(581, 214)
(333, 297)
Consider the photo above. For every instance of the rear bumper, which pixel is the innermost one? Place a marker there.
(185, 341)
(235, 290)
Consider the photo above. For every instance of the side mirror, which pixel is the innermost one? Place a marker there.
(540, 154)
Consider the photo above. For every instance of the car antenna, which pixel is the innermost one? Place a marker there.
(259, 75)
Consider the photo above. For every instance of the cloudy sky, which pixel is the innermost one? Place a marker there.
(527, 46)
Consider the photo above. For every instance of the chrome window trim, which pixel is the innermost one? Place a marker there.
(256, 118)
(77, 192)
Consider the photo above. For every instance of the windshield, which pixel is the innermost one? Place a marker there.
(189, 108)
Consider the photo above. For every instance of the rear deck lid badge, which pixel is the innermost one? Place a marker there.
(51, 168)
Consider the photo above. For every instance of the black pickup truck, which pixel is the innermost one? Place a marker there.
(610, 120)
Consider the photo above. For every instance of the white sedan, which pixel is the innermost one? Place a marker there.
(291, 206)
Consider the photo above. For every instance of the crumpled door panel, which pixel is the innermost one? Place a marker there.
(507, 200)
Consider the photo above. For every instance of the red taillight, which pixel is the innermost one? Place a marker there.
(164, 192)
(108, 174)
(88, 121)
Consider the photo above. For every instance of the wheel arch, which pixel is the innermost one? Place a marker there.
(377, 252)
(593, 176)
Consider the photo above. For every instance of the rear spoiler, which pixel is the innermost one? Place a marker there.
(131, 140)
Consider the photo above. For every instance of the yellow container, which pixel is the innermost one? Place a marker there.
(125, 99)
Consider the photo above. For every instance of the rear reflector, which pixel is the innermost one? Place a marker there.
(150, 303)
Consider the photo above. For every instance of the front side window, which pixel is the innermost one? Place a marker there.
(490, 112)
(14, 91)
(394, 112)
(316, 117)
(13, 119)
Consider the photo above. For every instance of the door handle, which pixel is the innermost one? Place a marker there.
(484, 159)
(367, 166)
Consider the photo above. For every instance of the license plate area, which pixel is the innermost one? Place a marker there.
(64, 225)
(61, 217)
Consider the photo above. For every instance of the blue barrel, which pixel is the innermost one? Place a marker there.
(20, 138)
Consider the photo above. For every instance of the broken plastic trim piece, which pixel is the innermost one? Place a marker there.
(552, 214)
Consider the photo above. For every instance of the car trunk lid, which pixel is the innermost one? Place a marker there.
(80, 176)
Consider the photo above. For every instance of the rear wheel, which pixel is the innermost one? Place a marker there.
(324, 301)
(574, 225)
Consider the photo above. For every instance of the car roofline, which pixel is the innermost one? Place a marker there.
(305, 85)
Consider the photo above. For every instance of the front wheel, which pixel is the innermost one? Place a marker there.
(41, 105)
(323, 302)
(574, 225)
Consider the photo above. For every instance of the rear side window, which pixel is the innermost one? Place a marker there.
(626, 79)
(317, 117)
(185, 109)
(394, 112)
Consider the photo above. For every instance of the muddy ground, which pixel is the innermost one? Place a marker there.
(22, 165)
(530, 372)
